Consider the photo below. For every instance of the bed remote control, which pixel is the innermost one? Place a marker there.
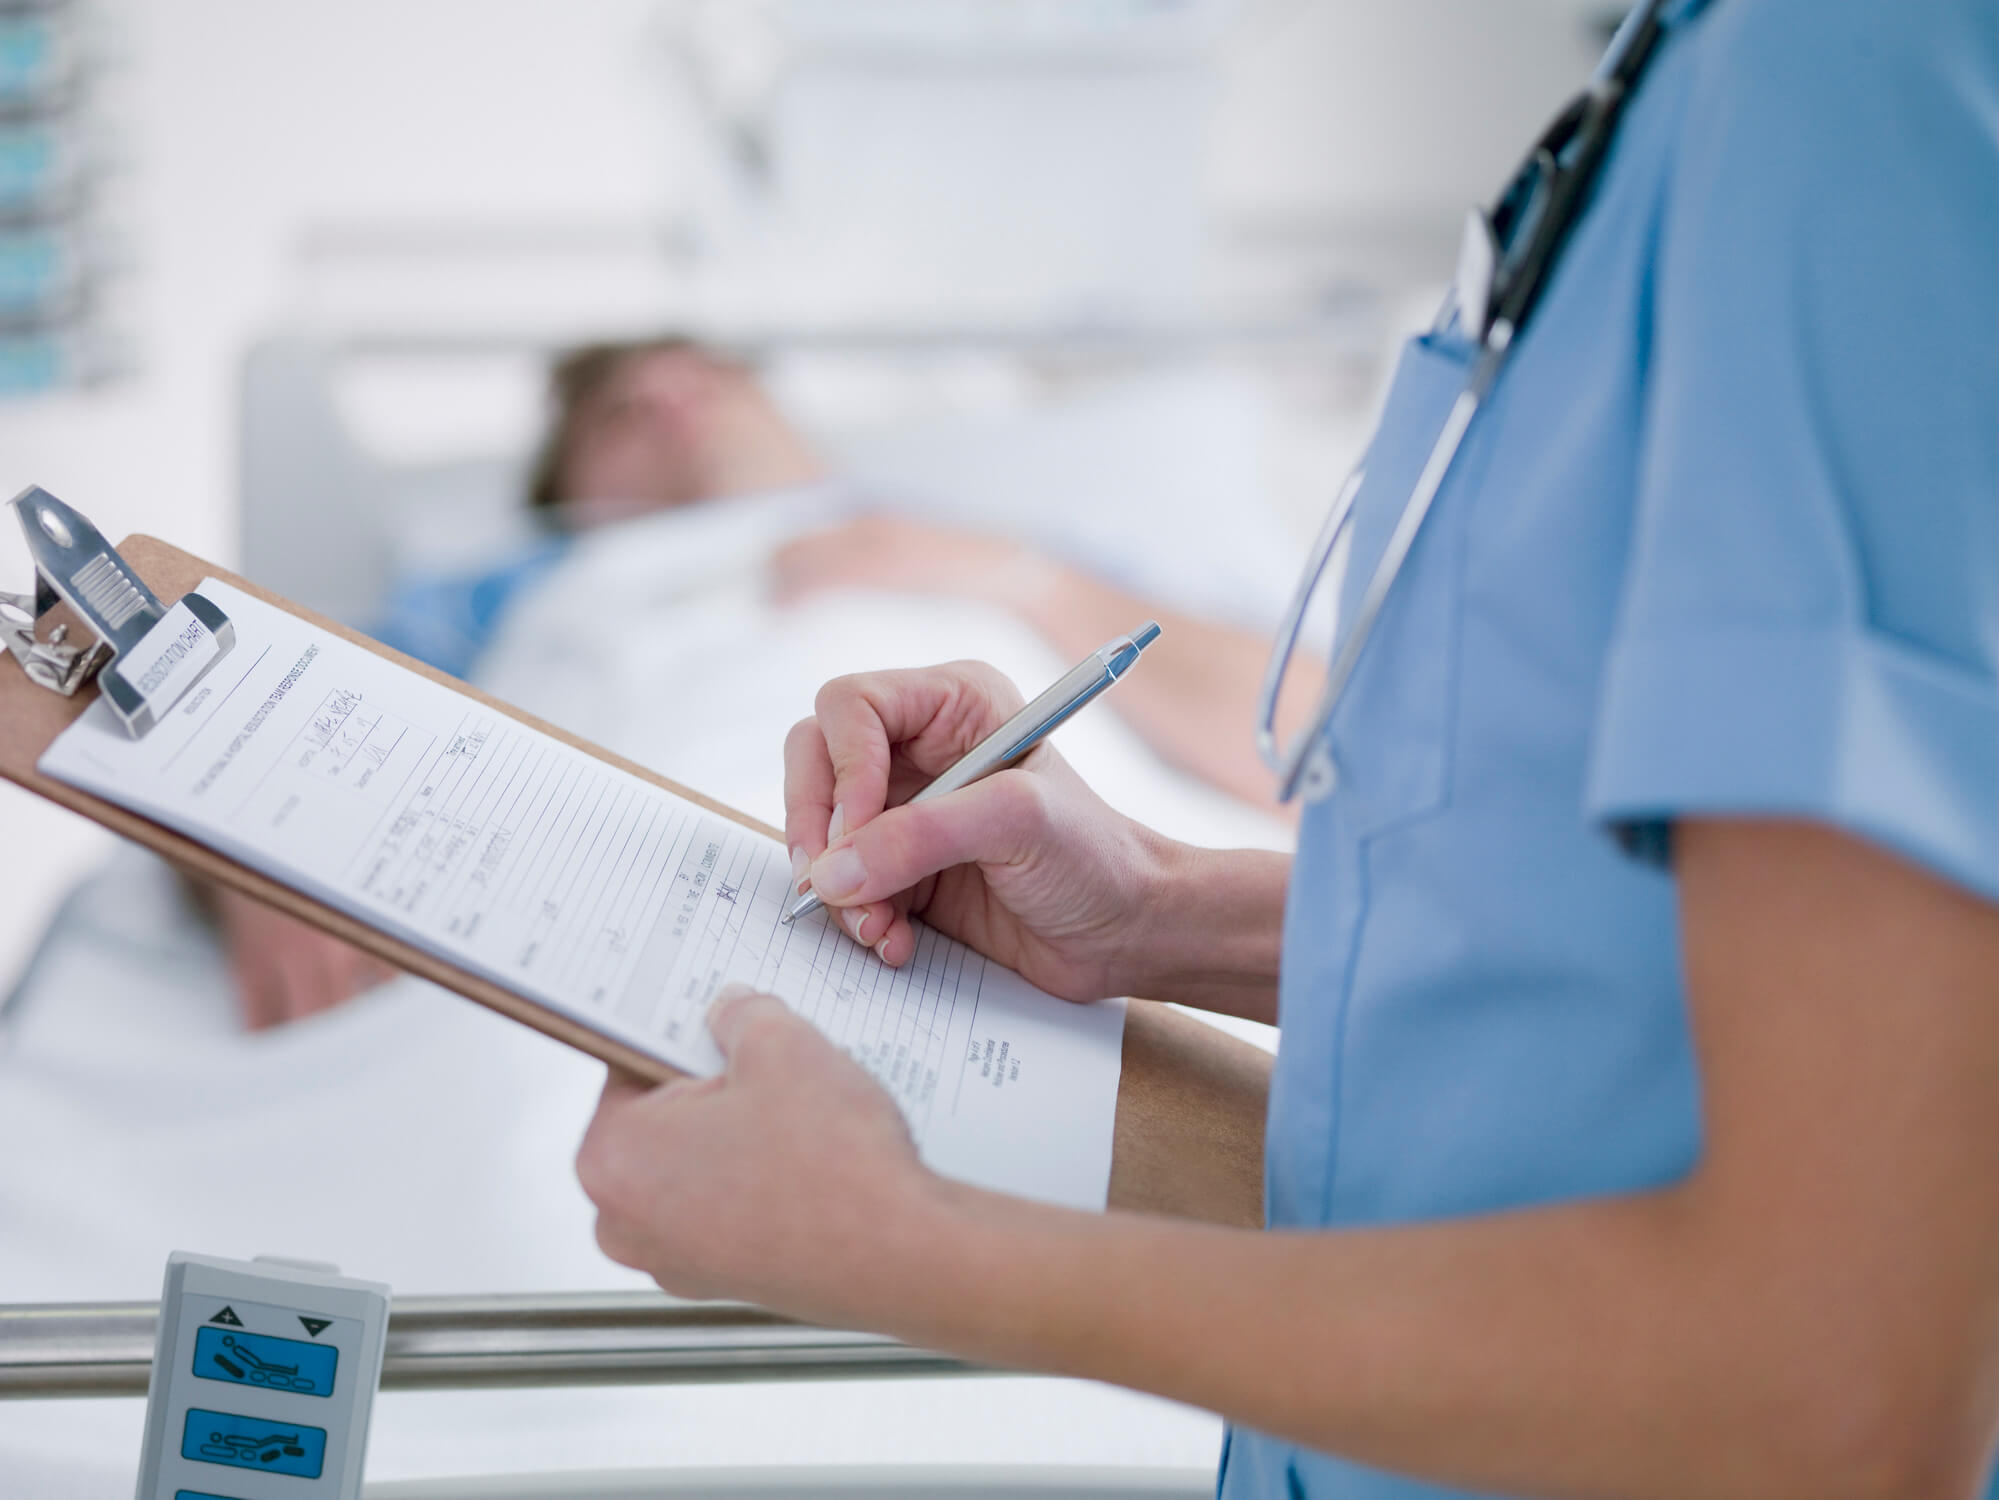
(264, 1374)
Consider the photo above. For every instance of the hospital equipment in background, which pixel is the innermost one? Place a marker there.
(267, 1366)
(472, 1343)
(56, 1350)
(1003, 119)
(57, 326)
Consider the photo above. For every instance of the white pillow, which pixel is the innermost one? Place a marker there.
(1155, 483)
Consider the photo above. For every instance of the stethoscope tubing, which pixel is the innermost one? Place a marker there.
(1307, 765)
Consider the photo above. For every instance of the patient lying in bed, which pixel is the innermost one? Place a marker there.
(417, 1139)
(669, 471)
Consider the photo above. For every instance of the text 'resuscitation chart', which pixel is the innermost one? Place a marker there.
(591, 891)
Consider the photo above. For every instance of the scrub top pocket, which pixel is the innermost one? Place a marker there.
(1391, 736)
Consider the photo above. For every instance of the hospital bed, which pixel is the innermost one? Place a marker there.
(582, 1339)
(1115, 445)
(427, 1143)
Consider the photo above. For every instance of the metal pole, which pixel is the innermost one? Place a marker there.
(468, 1343)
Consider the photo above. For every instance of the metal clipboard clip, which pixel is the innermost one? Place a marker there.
(145, 657)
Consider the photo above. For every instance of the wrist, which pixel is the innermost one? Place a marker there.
(1213, 932)
(918, 1258)
(994, 1279)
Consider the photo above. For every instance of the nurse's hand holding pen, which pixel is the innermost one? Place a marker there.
(1029, 867)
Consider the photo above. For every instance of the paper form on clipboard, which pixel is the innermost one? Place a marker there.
(590, 891)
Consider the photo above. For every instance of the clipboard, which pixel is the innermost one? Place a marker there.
(1188, 1130)
(31, 717)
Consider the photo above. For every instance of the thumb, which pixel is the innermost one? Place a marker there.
(1001, 820)
(738, 1010)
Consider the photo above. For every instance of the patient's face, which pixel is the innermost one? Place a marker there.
(640, 440)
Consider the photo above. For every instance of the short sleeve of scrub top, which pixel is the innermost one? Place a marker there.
(1809, 624)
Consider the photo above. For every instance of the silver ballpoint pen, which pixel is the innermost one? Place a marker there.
(1029, 727)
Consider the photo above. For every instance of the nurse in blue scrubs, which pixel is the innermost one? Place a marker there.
(1635, 1127)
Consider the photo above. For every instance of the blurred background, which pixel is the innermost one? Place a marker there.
(470, 182)
(1114, 284)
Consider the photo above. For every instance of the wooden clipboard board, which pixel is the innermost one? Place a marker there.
(31, 717)
(1190, 1100)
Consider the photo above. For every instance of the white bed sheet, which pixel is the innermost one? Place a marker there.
(417, 1139)
(688, 667)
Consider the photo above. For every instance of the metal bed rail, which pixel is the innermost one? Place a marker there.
(475, 1343)
(825, 1482)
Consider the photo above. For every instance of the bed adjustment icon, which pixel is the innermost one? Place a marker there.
(257, 1371)
(267, 1449)
(237, 1442)
(260, 1360)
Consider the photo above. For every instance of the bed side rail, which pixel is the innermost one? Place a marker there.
(471, 1343)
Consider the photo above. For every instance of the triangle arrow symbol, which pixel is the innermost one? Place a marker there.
(227, 1315)
(314, 1326)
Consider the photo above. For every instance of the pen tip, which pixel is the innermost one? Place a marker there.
(1146, 634)
(785, 920)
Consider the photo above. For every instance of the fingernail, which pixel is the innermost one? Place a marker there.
(735, 989)
(801, 871)
(881, 948)
(837, 824)
(855, 920)
(838, 873)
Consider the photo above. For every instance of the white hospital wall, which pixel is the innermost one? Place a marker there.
(1356, 127)
(1368, 128)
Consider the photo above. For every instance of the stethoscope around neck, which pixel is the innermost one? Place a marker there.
(1509, 253)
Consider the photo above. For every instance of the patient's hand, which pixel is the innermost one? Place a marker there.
(284, 969)
(887, 552)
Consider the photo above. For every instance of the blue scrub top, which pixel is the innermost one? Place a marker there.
(1725, 540)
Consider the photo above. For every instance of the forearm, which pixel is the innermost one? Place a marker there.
(1582, 1350)
(1190, 1118)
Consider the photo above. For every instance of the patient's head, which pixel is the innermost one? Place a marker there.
(648, 425)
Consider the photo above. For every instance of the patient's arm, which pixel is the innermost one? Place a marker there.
(285, 970)
(1195, 701)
